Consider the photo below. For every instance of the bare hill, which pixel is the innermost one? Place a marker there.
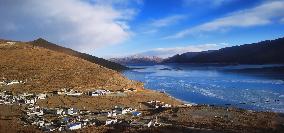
(44, 69)
(48, 45)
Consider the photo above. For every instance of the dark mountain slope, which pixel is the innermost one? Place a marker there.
(100, 61)
(182, 58)
(265, 52)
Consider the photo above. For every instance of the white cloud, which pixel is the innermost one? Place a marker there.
(121, 3)
(167, 52)
(79, 24)
(153, 26)
(169, 20)
(261, 15)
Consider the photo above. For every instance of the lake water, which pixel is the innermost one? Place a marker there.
(217, 85)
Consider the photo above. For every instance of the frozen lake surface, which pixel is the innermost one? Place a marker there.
(217, 85)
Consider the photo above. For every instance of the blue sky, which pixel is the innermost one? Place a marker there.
(116, 28)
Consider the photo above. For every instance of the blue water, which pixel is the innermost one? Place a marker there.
(216, 85)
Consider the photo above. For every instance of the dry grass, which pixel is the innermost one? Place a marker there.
(10, 121)
(133, 100)
(45, 70)
(221, 119)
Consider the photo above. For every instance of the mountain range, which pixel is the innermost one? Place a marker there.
(137, 60)
(264, 52)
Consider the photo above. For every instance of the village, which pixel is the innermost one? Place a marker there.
(69, 118)
(35, 111)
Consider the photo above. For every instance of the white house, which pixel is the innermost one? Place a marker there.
(39, 123)
(74, 93)
(11, 43)
(120, 110)
(149, 123)
(74, 126)
(2, 101)
(167, 106)
(111, 114)
(26, 95)
(71, 111)
(59, 111)
(30, 101)
(127, 110)
(159, 104)
(35, 112)
(2, 83)
(14, 82)
(41, 96)
(111, 121)
(99, 92)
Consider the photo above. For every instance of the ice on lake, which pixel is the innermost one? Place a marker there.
(216, 85)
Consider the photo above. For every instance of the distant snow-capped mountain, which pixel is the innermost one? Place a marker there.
(137, 60)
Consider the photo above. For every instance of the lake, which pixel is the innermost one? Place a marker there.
(242, 86)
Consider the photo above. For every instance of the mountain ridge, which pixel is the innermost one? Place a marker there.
(264, 52)
(40, 42)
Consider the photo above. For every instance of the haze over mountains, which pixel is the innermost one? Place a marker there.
(137, 59)
(264, 52)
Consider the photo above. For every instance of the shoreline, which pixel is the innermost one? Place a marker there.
(213, 105)
(177, 99)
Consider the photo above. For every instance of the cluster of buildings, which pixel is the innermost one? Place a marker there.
(7, 43)
(97, 92)
(65, 118)
(7, 97)
(147, 122)
(102, 92)
(67, 92)
(158, 104)
(60, 119)
(10, 82)
(122, 111)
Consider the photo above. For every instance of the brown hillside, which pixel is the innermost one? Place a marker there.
(44, 69)
(51, 46)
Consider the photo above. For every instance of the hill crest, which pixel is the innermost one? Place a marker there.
(40, 42)
(46, 70)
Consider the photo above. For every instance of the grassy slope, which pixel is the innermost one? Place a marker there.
(48, 45)
(44, 69)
